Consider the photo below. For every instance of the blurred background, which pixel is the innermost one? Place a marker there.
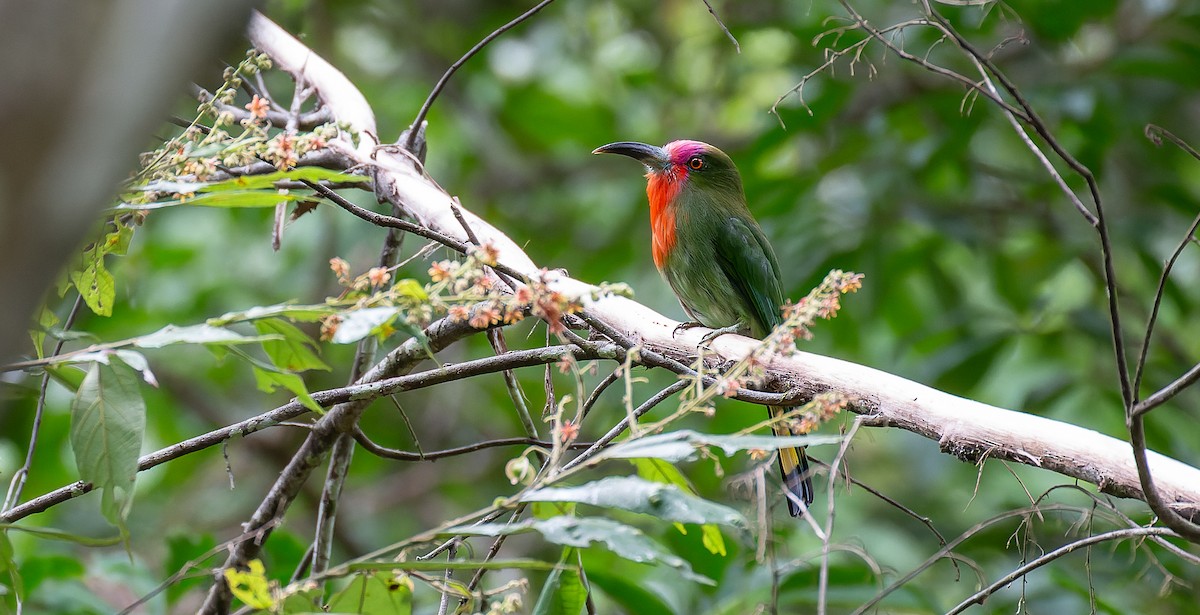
(981, 280)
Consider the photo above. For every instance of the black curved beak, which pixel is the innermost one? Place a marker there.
(653, 157)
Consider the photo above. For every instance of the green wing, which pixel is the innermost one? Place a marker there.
(748, 261)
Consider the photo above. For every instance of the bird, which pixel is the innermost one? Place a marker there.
(717, 260)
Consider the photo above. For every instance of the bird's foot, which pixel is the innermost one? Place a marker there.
(715, 333)
(684, 326)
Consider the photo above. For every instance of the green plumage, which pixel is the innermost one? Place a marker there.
(722, 267)
(716, 257)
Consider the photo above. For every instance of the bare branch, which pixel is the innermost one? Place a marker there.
(612, 377)
(391, 453)
(724, 28)
(441, 84)
(621, 426)
(1097, 221)
(17, 484)
(1156, 135)
(1166, 393)
(304, 121)
(351, 402)
(1067, 549)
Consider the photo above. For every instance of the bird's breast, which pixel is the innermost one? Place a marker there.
(662, 190)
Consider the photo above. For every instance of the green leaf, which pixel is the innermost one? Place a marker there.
(229, 199)
(132, 358)
(563, 593)
(58, 333)
(635, 595)
(293, 350)
(660, 471)
(56, 534)
(461, 564)
(358, 324)
(68, 376)
(682, 445)
(108, 420)
(307, 600)
(267, 181)
(411, 289)
(545, 510)
(666, 502)
(8, 567)
(268, 378)
(138, 362)
(711, 538)
(96, 285)
(195, 334)
(117, 241)
(623, 540)
(45, 320)
(244, 191)
(379, 592)
(251, 586)
(300, 313)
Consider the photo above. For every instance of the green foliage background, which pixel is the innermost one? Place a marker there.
(981, 280)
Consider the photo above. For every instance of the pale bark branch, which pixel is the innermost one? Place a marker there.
(967, 429)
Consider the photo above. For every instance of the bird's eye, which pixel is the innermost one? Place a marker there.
(696, 163)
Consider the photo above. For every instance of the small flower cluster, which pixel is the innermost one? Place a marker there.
(375, 277)
(822, 302)
(467, 291)
(255, 62)
(822, 408)
(198, 154)
(568, 432)
(375, 289)
(510, 602)
(472, 281)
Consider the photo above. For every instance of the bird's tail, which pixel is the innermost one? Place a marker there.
(793, 466)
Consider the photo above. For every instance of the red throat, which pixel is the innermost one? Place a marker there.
(661, 189)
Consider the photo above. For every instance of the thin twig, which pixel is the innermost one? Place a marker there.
(926, 521)
(494, 549)
(275, 117)
(441, 84)
(1156, 134)
(331, 493)
(830, 515)
(187, 567)
(621, 426)
(17, 485)
(948, 548)
(1067, 549)
(386, 221)
(1166, 393)
(487, 518)
(448, 576)
(390, 453)
(612, 377)
(736, 46)
(1097, 221)
(495, 337)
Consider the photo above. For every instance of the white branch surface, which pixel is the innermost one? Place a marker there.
(962, 427)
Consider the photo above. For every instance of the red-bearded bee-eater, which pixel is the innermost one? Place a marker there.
(716, 258)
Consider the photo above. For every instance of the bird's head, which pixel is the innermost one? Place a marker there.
(681, 167)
